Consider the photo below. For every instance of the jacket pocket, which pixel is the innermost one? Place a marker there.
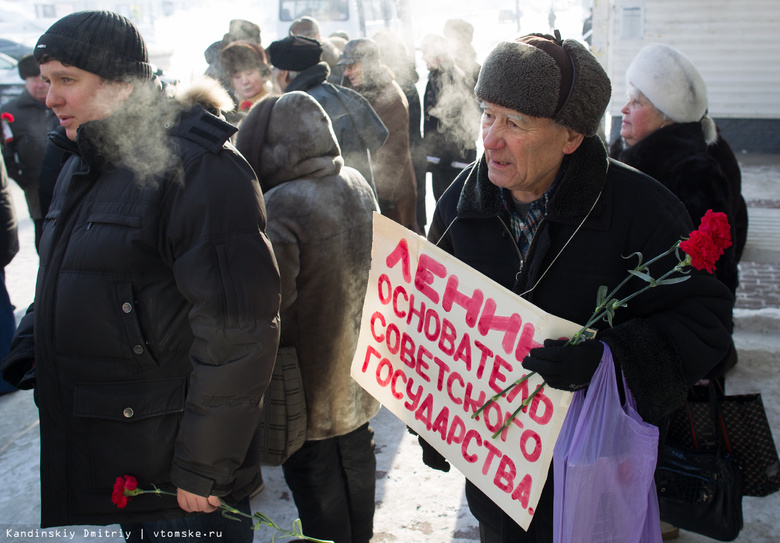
(124, 429)
(136, 339)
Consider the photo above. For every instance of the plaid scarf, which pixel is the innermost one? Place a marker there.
(524, 228)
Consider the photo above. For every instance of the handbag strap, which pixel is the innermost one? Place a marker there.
(715, 392)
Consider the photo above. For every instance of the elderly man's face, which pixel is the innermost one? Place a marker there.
(524, 153)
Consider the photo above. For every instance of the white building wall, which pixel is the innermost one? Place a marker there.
(733, 43)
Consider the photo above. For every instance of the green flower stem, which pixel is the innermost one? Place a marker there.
(496, 397)
(526, 402)
(602, 310)
(229, 512)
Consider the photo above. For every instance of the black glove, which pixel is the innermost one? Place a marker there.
(431, 457)
(565, 368)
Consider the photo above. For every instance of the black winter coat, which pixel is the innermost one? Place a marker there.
(664, 340)
(678, 157)
(155, 322)
(23, 156)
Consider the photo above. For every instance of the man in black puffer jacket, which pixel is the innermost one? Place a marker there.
(546, 214)
(155, 321)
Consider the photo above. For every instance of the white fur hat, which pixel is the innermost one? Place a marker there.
(672, 83)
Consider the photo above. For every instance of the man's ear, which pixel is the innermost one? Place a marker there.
(573, 141)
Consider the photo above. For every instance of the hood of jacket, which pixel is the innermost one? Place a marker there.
(289, 137)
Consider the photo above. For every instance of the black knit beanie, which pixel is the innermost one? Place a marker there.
(543, 76)
(100, 42)
(28, 67)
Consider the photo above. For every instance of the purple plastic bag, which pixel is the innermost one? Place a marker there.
(604, 462)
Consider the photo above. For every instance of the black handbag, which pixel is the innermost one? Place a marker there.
(744, 432)
(700, 490)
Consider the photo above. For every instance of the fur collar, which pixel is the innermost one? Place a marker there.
(309, 78)
(657, 153)
(585, 177)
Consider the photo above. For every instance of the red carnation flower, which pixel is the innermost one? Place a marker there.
(716, 225)
(118, 496)
(245, 105)
(702, 249)
(7, 117)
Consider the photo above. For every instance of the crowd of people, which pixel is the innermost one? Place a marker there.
(186, 236)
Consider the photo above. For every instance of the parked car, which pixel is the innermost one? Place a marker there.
(11, 84)
(14, 49)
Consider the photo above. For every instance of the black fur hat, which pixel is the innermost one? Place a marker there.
(542, 76)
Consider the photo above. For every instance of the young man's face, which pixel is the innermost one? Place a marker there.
(77, 96)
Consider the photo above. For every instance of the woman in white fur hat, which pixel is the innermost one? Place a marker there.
(667, 133)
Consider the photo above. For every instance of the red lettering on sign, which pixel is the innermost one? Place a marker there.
(399, 291)
(377, 316)
(370, 351)
(505, 474)
(495, 421)
(495, 375)
(419, 313)
(526, 342)
(543, 403)
(393, 338)
(457, 431)
(472, 304)
(447, 338)
(442, 422)
(422, 364)
(431, 316)
(414, 397)
(401, 254)
(443, 369)
(485, 353)
(469, 403)
(427, 267)
(384, 280)
(522, 387)
(407, 350)
(396, 394)
(492, 453)
(530, 436)
(464, 449)
(425, 411)
(454, 376)
(464, 351)
(522, 492)
(384, 364)
(509, 325)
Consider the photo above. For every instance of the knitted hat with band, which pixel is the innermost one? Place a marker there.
(100, 42)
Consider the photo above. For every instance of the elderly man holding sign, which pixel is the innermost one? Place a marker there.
(545, 214)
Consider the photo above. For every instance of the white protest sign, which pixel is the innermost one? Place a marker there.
(437, 340)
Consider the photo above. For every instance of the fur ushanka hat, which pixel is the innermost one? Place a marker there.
(542, 76)
(673, 85)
